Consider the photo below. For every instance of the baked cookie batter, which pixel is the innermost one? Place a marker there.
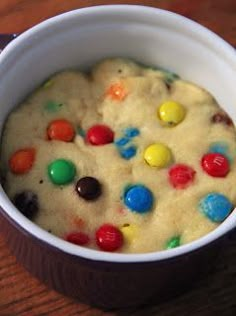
(126, 158)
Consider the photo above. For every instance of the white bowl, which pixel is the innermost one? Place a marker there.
(82, 37)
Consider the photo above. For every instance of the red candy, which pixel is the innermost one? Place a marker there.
(61, 130)
(180, 176)
(215, 164)
(109, 238)
(78, 238)
(222, 118)
(100, 135)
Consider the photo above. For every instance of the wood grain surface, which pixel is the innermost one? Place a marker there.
(20, 293)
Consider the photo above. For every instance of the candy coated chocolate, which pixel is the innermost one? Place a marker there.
(109, 237)
(222, 118)
(128, 152)
(52, 106)
(60, 129)
(61, 171)
(100, 135)
(173, 242)
(122, 141)
(138, 198)
(130, 232)
(88, 188)
(157, 155)
(171, 113)
(180, 176)
(27, 203)
(78, 238)
(215, 206)
(215, 164)
(132, 132)
(22, 161)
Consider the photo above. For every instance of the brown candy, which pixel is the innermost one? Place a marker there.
(27, 203)
(88, 188)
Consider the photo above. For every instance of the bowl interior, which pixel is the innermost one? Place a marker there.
(80, 38)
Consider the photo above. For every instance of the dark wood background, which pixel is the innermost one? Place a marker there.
(20, 293)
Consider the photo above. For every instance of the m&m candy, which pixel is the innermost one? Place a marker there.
(215, 164)
(128, 152)
(222, 118)
(109, 237)
(61, 171)
(129, 232)
(122, 141)
(157, 155)
(52, 106)
(131, 132)
(221, 148)
(180, 176)
(80, 131)
(173, 242)
(169, 76)
(48, 83)
(171, 113)
(27, 203)
(61, 130)
(78, 238)
(88, 188)
(117, 91)
(215, 206)
(100, 135)
(138, 198)
(22, 161)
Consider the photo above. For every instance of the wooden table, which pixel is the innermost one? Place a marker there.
(21, 294)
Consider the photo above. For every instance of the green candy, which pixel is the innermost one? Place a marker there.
(170, 77)
(80, 131)
(173, 242)
(52, 106)
(61, 171)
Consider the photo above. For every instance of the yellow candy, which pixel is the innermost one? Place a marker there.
(129, 232)
(157, 155)
(171, 112)
(48, 83)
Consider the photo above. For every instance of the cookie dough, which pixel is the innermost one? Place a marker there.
(124, 158)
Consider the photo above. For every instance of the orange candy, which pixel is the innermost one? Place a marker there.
(79, 222)
(117, 91)
(61, 130)
(22, 160)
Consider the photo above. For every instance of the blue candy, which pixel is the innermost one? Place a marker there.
(220, 148)
(216, 206)
(128, 152)
(132, 132)
(138, 198)
(121, 141)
